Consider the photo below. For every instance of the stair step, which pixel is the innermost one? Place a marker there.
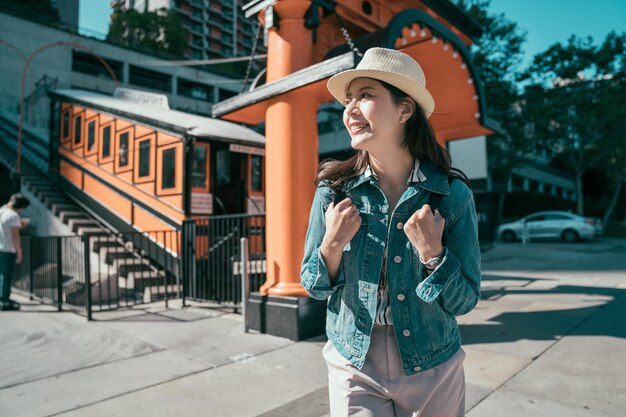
(141, 279)
(56, 199)
(151, 294)
(114, 252)
(74, 224)
(65, 216)
(43, 193)
(57, 208)
(101, 243)
(126, 265)
(92, 231)
(39, 186)
(46, 275)
(104, 290)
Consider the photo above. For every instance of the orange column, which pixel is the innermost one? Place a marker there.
(291, 152)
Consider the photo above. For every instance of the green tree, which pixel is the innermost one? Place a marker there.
(575, 106)
(158, 31)
(497, 55)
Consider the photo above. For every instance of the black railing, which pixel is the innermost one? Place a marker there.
(201, 262)
(213, 261)
(101, 272)
(52, 268)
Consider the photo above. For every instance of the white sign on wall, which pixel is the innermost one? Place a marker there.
(202, 203)
(142, 97)
(256, 204)
(470, 156)
(246, 149)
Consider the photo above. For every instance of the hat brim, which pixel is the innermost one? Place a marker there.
(338, 86)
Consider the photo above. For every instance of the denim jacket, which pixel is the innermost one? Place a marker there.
(423, 306)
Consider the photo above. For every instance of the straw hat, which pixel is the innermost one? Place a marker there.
(391, 66)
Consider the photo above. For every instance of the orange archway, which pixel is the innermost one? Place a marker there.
(306, 46)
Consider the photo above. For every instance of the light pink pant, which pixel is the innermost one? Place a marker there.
(381, 388)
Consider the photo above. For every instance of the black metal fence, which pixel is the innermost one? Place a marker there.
(101, 272)
(213, 261)
(52, 268)
(202, 262)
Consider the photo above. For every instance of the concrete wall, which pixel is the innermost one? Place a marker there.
(42, 221)
(24, 36)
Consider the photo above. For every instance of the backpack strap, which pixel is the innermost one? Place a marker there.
(434, 202)
(435, 198)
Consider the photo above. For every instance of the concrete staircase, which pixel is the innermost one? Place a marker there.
(121, 273)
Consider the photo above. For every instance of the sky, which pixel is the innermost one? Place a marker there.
(546, 21)
(549, 21)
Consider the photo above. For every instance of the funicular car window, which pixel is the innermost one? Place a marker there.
(144, 158)
(106, 142)
(257, 173)
(169, 168)
(91, 135)
(123, 150)
(199, 167)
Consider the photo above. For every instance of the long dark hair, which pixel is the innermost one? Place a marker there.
(419, 140)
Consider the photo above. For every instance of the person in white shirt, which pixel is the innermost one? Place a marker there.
(10, 247)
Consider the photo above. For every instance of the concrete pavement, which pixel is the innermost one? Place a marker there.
(547, 339)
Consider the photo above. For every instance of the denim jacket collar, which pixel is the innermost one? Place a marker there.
(431, 179)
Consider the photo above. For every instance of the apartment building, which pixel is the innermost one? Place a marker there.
(217, 28)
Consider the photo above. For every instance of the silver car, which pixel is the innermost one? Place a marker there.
(563, 225)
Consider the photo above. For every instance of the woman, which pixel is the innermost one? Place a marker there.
(395, 270)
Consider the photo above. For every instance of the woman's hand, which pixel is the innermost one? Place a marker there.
(425, 230)
(342, 222)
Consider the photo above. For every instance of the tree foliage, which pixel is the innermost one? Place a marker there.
(497, 55)
(575, 106)
(157, 31)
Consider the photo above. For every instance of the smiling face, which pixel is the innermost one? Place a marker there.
(374, 121)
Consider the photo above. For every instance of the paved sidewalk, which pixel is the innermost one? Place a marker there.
(547, 339)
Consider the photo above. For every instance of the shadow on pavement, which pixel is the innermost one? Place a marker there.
(550, 324)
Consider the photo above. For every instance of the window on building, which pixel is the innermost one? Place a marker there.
(88, 64)
(533, 185)
(168, 170)
(106, 142)
(256, 173)
(150, 79)
(78, 131)
(195, 90)
(144, 158)
(123, 150)
(91, 135)
(225, 94)
(199, 167)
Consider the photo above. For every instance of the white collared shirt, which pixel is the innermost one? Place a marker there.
(383, 309)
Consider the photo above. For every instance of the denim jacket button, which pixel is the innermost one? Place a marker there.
(401, 297)
(417, 369)
(400, 226)
(397, 259)
(406, 332)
